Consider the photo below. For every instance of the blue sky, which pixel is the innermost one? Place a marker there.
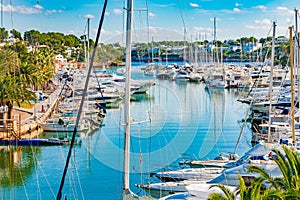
(157, 19)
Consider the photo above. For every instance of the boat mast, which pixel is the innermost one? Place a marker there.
(296, 50)
(88, 41)
(215, 42)
(196, 51)
(184, 51)
(271, 80)
(127, 98)
(292, 84)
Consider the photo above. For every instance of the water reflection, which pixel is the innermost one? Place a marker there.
(17, 164)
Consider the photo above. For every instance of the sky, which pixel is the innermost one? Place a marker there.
(153, 19)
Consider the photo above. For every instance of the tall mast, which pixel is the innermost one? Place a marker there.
(88, 42)
(152, 53)
(296, 50)
(196, 51)
(271, 80)
(292, 84)
(184, 52)
(127, 98)
(214, 36)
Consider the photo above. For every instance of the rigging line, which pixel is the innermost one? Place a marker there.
(140, 33)
(150, 136)
(11, 13)
(187, 15)
(78, 179)
(59, 194)
(119, 152)
(70, 178)
(243, 127)
(36, 171)
(148, 29)
(43, 172)
(123, 20)
(141, 154)
(23, 182)
(181, 15)
(297, 38)
(41, 168)
(40, 12)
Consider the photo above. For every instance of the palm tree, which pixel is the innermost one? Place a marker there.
(289, 165)
(251, 192)
(227, 194)
(22, 73)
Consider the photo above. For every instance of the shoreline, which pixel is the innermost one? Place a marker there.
(31, 118)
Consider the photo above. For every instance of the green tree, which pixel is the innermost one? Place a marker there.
(4, 34)
(23, 72)
(32, 37)
(227, 193)
(16, 34)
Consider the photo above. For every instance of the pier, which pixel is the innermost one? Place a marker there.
(25, 122)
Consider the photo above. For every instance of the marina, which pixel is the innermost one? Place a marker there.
(82, 119)
(180, 120)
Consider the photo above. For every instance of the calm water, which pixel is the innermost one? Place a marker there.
(172, 121)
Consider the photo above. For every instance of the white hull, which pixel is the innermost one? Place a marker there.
(202, 191)
(189, 174)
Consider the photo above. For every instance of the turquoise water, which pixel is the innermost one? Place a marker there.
(172, 121)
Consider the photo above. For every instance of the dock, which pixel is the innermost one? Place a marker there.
(25, 122)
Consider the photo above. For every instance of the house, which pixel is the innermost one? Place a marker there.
(60, 61)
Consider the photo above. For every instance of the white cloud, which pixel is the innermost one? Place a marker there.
(194, 5)
(107, 13)
(164, 5)
(21, 9)
(264, 21)
(280, 8)
(237, 4)
(263, 24)
(50, 12)
(117, 11)
(263, 8)
(151, 14)
(105, 32)
(257, 27)
(89, 16)
(283, 11)
(202, 29)
(236, 10)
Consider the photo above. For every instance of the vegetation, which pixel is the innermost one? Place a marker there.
(23, 72)
(114, 53)
(285, 187)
